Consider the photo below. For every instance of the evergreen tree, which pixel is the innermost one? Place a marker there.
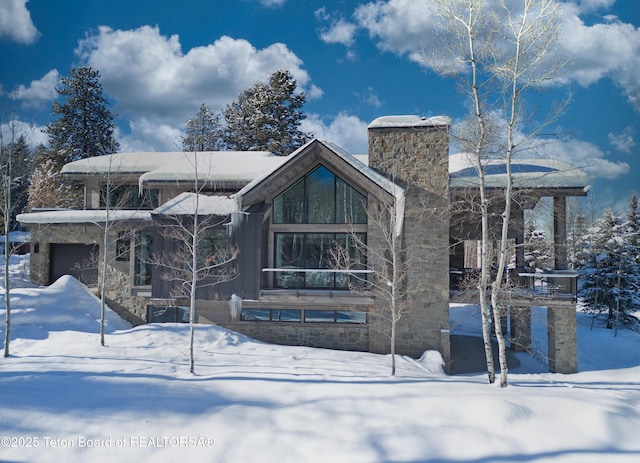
(610, 276)
(84, 125)
(204, 132)
(21, 167)
(538, 251)
(267, 116)
(632, 232)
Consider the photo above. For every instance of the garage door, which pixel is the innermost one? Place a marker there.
(78, 260)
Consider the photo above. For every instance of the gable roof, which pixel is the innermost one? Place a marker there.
(345, 165)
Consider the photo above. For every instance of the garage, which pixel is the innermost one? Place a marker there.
(78, 260)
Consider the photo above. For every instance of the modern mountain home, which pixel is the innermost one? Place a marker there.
(308, 231)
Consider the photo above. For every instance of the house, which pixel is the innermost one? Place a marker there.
(286, 215)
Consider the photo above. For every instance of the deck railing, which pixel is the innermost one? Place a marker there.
(314, 278)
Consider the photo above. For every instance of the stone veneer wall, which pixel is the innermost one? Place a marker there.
(413, 152)
(324, 335)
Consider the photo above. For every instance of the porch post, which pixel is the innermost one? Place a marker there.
(560, 232)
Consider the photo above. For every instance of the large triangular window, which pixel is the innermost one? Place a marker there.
(320, 197)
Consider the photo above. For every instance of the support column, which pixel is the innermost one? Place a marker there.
(563, 343)
(560, 232)
(520, 328)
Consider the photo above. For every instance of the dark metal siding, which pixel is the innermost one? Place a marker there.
(77, 260)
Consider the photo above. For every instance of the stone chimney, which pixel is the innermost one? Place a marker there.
(413, 152)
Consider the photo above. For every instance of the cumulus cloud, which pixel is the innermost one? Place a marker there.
(607, 48)
(15, 22)
(154, 82)
(32, 133)
(146, 71)
(399, 26)
(150, 135)
(39, 91)
(346, 131)
(623, 141)
(586, 156)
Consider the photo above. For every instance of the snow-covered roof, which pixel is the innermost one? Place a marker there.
(85, 216)
(185, 204)
(409, 121)
(390, 187)
(527, 173)
(212, 166)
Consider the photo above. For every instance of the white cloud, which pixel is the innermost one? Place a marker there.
(623, 141)
(15, 22)
(586, 156)
(32, 133)
(370, 97)
(146, 135)
(273, 3)
(155, 83)
(348, 132)
(39, 91)
(605, 49)
(400, 26)
(589, 6)
(340, 31)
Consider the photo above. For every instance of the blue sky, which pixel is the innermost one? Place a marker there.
(160, 59)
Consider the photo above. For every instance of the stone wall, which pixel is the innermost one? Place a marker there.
(119, 293)
(413, 152)
(324, 335)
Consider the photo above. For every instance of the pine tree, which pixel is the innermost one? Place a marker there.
(267, 116)
(632, 232)
(538, 250)
(20, 173)
(610, 276)
(204, 132)
(84, 126)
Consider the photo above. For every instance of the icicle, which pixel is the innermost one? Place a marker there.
(237, 216)
(235, 306)
(399, 209)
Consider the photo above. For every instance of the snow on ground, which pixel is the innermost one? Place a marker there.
(63, 397)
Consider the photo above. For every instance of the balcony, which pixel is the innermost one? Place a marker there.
(314, 279)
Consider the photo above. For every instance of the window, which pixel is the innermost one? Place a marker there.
(167, 314)
(274, 315)
(309, 316)
(123, 246)
(322, 251)
(213, 247)
(142, 259)
(129, 197)
(320, 197)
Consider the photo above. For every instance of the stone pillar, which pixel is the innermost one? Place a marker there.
(560, 232)
(563, 343)
(413, 152)
(520, 328)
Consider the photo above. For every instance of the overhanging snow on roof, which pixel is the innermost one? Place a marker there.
(90, 216)
(185, 204)
(209, 166)
(386, 122)
(526, 173)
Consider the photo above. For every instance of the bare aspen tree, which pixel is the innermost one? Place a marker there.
(498, 51)
(197, 262)
(6, 208)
